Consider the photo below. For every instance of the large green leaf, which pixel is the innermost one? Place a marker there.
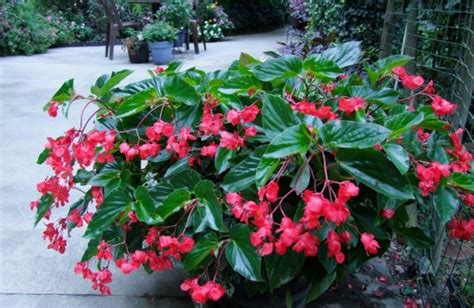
(417, 238)
(242, 175)
(386, 65)
(446, 202)
(282, 269)
(400, 122)
(64, 94)
(383, 96)
(241, 254)
(398, 156)
(373, 169)
(319, 285)
(104, 178)
(145, 206)
(173, 202)
(302, 178)
(136, 103)
(108, 212)
(295, 139)
(265, 169)
(44, 155)
(221, 160)
(201, 250)
(324, 70)
(105, 83)
(239, 85)
(180, 91)
(44, 205)
(349, 134)
(463, 180)
(91, 250)
(343, 55)
(204, 190)
(286, 66)
(277, 115)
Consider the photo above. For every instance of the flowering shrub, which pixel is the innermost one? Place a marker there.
(212, 32)
(281, 171)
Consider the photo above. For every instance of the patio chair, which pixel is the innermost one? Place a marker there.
(114, 26)
(194, 25)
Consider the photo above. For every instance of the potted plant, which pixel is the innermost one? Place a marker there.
(136, 46)
(177, 13)
(276, 177)
(160, 36)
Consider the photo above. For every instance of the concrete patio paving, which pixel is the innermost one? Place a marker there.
(31, 275)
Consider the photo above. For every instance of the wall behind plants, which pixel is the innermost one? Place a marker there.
(252, 16)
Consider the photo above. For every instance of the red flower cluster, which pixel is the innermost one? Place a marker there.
(411, 82)
(430, 176)
(248, 114)
(351, 104)
(442, 107)
(334, 243)
(461, 229)
(371, 245)
(100, 279)
(231, 141)
(211, 290)
(464, 158)
(53, 109)
(323, 112)
(422, 135)
(211, 123)
(85, 150)
(56, 240)
(179, 143)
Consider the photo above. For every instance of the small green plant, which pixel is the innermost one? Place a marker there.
(159, 31)
(133, 41)
(175, 12)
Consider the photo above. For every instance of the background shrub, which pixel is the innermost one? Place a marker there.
(250, 16)
(23, 30)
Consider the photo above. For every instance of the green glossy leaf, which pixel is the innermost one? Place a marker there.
(349, 134)
(177, 167)
(366, 166)
(387, 64)
(282, 269)
(463, 180)
(201, 250)
(239, 85)
(383, 96)
(242, 175)
(265, 170)
(221, 160)
(398, 156)
(293, 140)
(83, 176)
(401, 122)
(105, 83)
(302, 178)
(91, 250)
(180, 91)
(343, 55)
(104, 178)
(145, 207)
(136, 103)
(43, 156)
(173, 203)
(277, 115)
(64, 94)
(44, 205)
(241, 255)
(417, 238)
(204, 190)
(446, 202)
(322, 69)
(282, 67)
(108, 212)
(320, 285)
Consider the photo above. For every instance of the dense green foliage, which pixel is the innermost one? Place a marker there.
(282, 171)
(250, 16)
(159, 31)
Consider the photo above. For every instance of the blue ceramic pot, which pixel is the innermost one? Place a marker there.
(161, 52)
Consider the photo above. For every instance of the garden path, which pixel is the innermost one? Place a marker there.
(30, 275)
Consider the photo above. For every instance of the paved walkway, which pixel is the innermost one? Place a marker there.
(31, 275)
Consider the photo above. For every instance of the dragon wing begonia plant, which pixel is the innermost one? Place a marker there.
(273, 172)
